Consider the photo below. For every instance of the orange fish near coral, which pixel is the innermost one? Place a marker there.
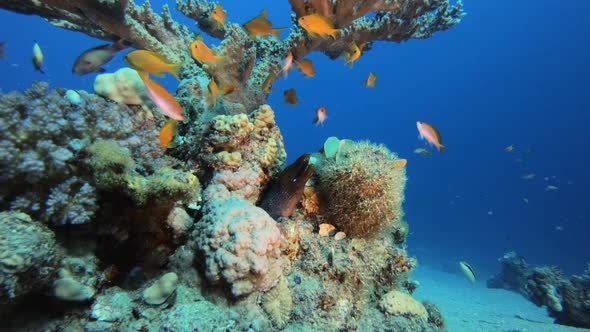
(430, 134)
(150, 62)
(287, 64)
(371, 80)
(213, 92)
(162, 98)
(320, 116)
(317, 25)
(261, 26)
(218, 15)
(306, 67)
(290, 97)
(202, 53)
(228, 88)
(268, 82)
(351, 54)
(167, 133)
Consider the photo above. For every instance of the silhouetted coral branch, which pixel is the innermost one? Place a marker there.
(113, 20)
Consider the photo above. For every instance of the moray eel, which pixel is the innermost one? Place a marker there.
(285, 189)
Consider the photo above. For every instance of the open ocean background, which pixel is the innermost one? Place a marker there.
(513, 72)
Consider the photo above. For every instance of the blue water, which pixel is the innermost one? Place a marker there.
(513, 72)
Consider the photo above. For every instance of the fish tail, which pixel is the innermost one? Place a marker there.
(175, 70)
(276, 32)
(333, 33)
(440, 147)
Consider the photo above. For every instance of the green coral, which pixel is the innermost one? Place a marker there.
(363, 188)
(111, 164)
(113, 168)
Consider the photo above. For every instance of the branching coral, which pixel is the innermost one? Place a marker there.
(247, 63)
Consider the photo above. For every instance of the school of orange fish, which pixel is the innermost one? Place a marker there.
(148, 63)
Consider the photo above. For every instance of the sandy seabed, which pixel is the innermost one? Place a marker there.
(468, 308)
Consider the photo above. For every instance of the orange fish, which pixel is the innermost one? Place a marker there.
(162, 98)
(400, 162)
(228, 88)
(213, 92)
(290, 97)
(268, 82)
(261, 26)
(167, 133)
(306, 67)
(287, 64)
(371, 80)
(150, 62)
(317, 25)
(218, 15)
(351, 54)
(430, 134)
(320, 116)
(202, 53)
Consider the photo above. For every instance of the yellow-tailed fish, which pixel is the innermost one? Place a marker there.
(306, 67)
(468, 272)
(162, 98)
(430, 134)
(320, 116)
(92, 60)
(167, 134)
(509, 148)
(202, 53)
(261, 26)
(213, 92)
(37, 58)
(151, 62)
(290, 97)
(317, 25)
(218, 15)
(371, 80)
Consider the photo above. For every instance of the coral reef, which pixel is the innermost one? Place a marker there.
(90, 169)
(362, 187)
(513, 275)
(567, 300)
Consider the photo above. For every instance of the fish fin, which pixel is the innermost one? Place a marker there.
(440, 147)
(333, 33)
(175, 70)
(263, 13)
(276, 32)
